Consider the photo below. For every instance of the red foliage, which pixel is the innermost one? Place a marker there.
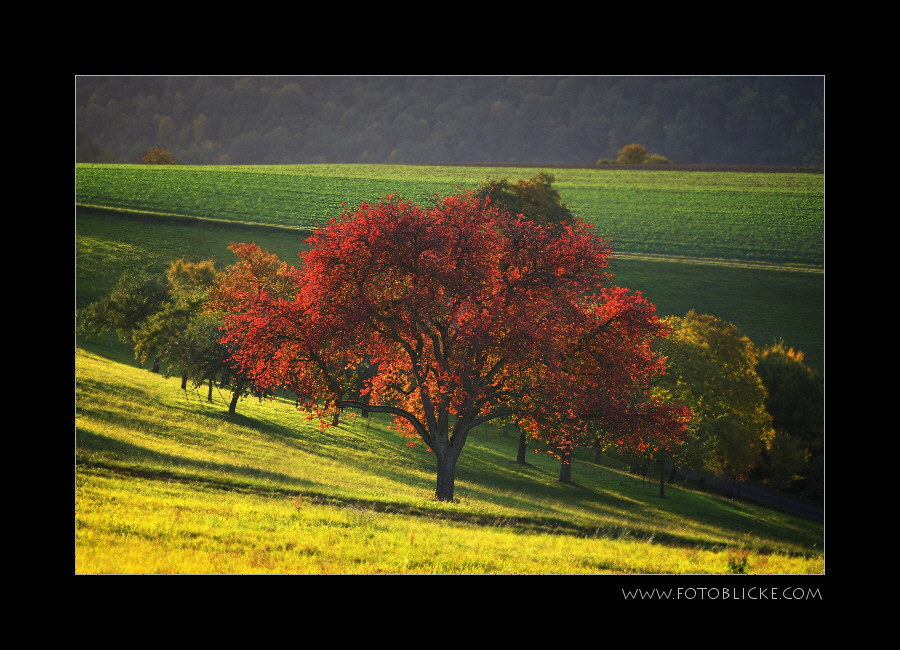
(470, 314)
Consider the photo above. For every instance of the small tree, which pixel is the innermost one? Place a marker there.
(257, 275)
(795, 395)
(534, 198)
(633, 153)
(711, 368)
(135, 298)
(162, 335)
(157, 156)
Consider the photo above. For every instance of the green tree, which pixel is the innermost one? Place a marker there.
(172, 333)
(633, 153)
(712, 369)
(135, 298)
(796, 401)
(534, 198)
(795, 395)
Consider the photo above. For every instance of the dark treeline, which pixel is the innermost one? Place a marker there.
(419, 120)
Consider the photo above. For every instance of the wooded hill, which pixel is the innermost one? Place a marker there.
(740, 120)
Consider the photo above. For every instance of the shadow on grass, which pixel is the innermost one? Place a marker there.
(97, 450)
(490, 475)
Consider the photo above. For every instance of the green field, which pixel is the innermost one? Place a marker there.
(166, 483)
(764, 217)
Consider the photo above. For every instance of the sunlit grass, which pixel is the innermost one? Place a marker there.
(136, 525)
(168, 483)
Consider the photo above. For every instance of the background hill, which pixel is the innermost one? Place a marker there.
(737, 120)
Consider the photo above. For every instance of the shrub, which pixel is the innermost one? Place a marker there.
(655, 158)
(633, 153)
(605, 161)
(737, 561)
(157, 156)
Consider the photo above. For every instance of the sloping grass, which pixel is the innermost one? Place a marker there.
(168, 483)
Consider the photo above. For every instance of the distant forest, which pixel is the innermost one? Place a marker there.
(739, 120)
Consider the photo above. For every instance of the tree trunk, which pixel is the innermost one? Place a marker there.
(224, 381)
(598, 452)
(156, 361)
(673, 475)
(446, 477)
(111, 340)
(565, 467)
(565, 470)
(184, 381)
(235, 396)
(520, 457)
(336, 420)
(662, 480)
(209, 396)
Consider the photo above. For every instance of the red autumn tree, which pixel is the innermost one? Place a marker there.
(258, 276)
(469, 314)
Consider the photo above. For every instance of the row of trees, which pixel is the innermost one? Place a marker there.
(755, 413)
(172, 320)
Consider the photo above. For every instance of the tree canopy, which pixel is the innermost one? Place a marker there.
(633, 153)
(795, 394)
(534, 198)
(135, 298)
(469, 314)
(711, 369)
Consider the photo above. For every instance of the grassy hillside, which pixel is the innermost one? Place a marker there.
(168, 483)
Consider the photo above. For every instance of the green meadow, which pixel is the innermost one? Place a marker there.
(168, 483)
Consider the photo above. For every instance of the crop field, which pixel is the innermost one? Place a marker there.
(762, 217)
